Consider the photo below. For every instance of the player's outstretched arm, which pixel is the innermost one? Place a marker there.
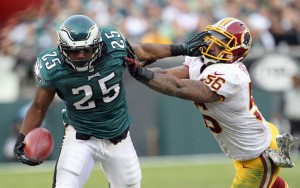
(160, 80)
(151, 51)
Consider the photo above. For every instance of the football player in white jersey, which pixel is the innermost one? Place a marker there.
(220, 86)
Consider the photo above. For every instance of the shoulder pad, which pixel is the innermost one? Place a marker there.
(113, 39)
(47, 65)
(219, 79)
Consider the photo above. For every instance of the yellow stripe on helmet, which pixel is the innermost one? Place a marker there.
(225, 21)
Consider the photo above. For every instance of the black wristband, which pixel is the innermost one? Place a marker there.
(177, 50)
(144, 75)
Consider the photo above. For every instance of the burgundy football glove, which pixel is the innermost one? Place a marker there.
(129, 50)
(131, 55)
(137, 71)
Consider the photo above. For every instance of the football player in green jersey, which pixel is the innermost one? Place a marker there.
(85, 71)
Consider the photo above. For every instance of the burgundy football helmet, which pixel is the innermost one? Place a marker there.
(233, 38)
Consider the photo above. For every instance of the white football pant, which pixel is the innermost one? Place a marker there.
(77, 158)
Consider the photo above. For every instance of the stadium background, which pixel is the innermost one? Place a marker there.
(161, 125)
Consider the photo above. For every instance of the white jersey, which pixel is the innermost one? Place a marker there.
(235, 122)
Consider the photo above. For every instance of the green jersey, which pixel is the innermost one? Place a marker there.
(95, 102)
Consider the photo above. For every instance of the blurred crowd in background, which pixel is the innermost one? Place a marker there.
(273, 24)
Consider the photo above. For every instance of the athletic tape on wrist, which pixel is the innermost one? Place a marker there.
(144, 75)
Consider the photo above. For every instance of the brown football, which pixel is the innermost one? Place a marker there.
(38, 144)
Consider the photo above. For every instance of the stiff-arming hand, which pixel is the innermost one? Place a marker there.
(137, 71)
(132, 66)
(131, 55)
(131, 61)
(192, 44)
(129, 50)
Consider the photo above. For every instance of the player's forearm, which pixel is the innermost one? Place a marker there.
(165, 84)
(166, 81)
(151, 51)
(37, 110)
(33, 119)
(185, 89)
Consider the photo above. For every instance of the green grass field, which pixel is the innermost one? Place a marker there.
(160, 172)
